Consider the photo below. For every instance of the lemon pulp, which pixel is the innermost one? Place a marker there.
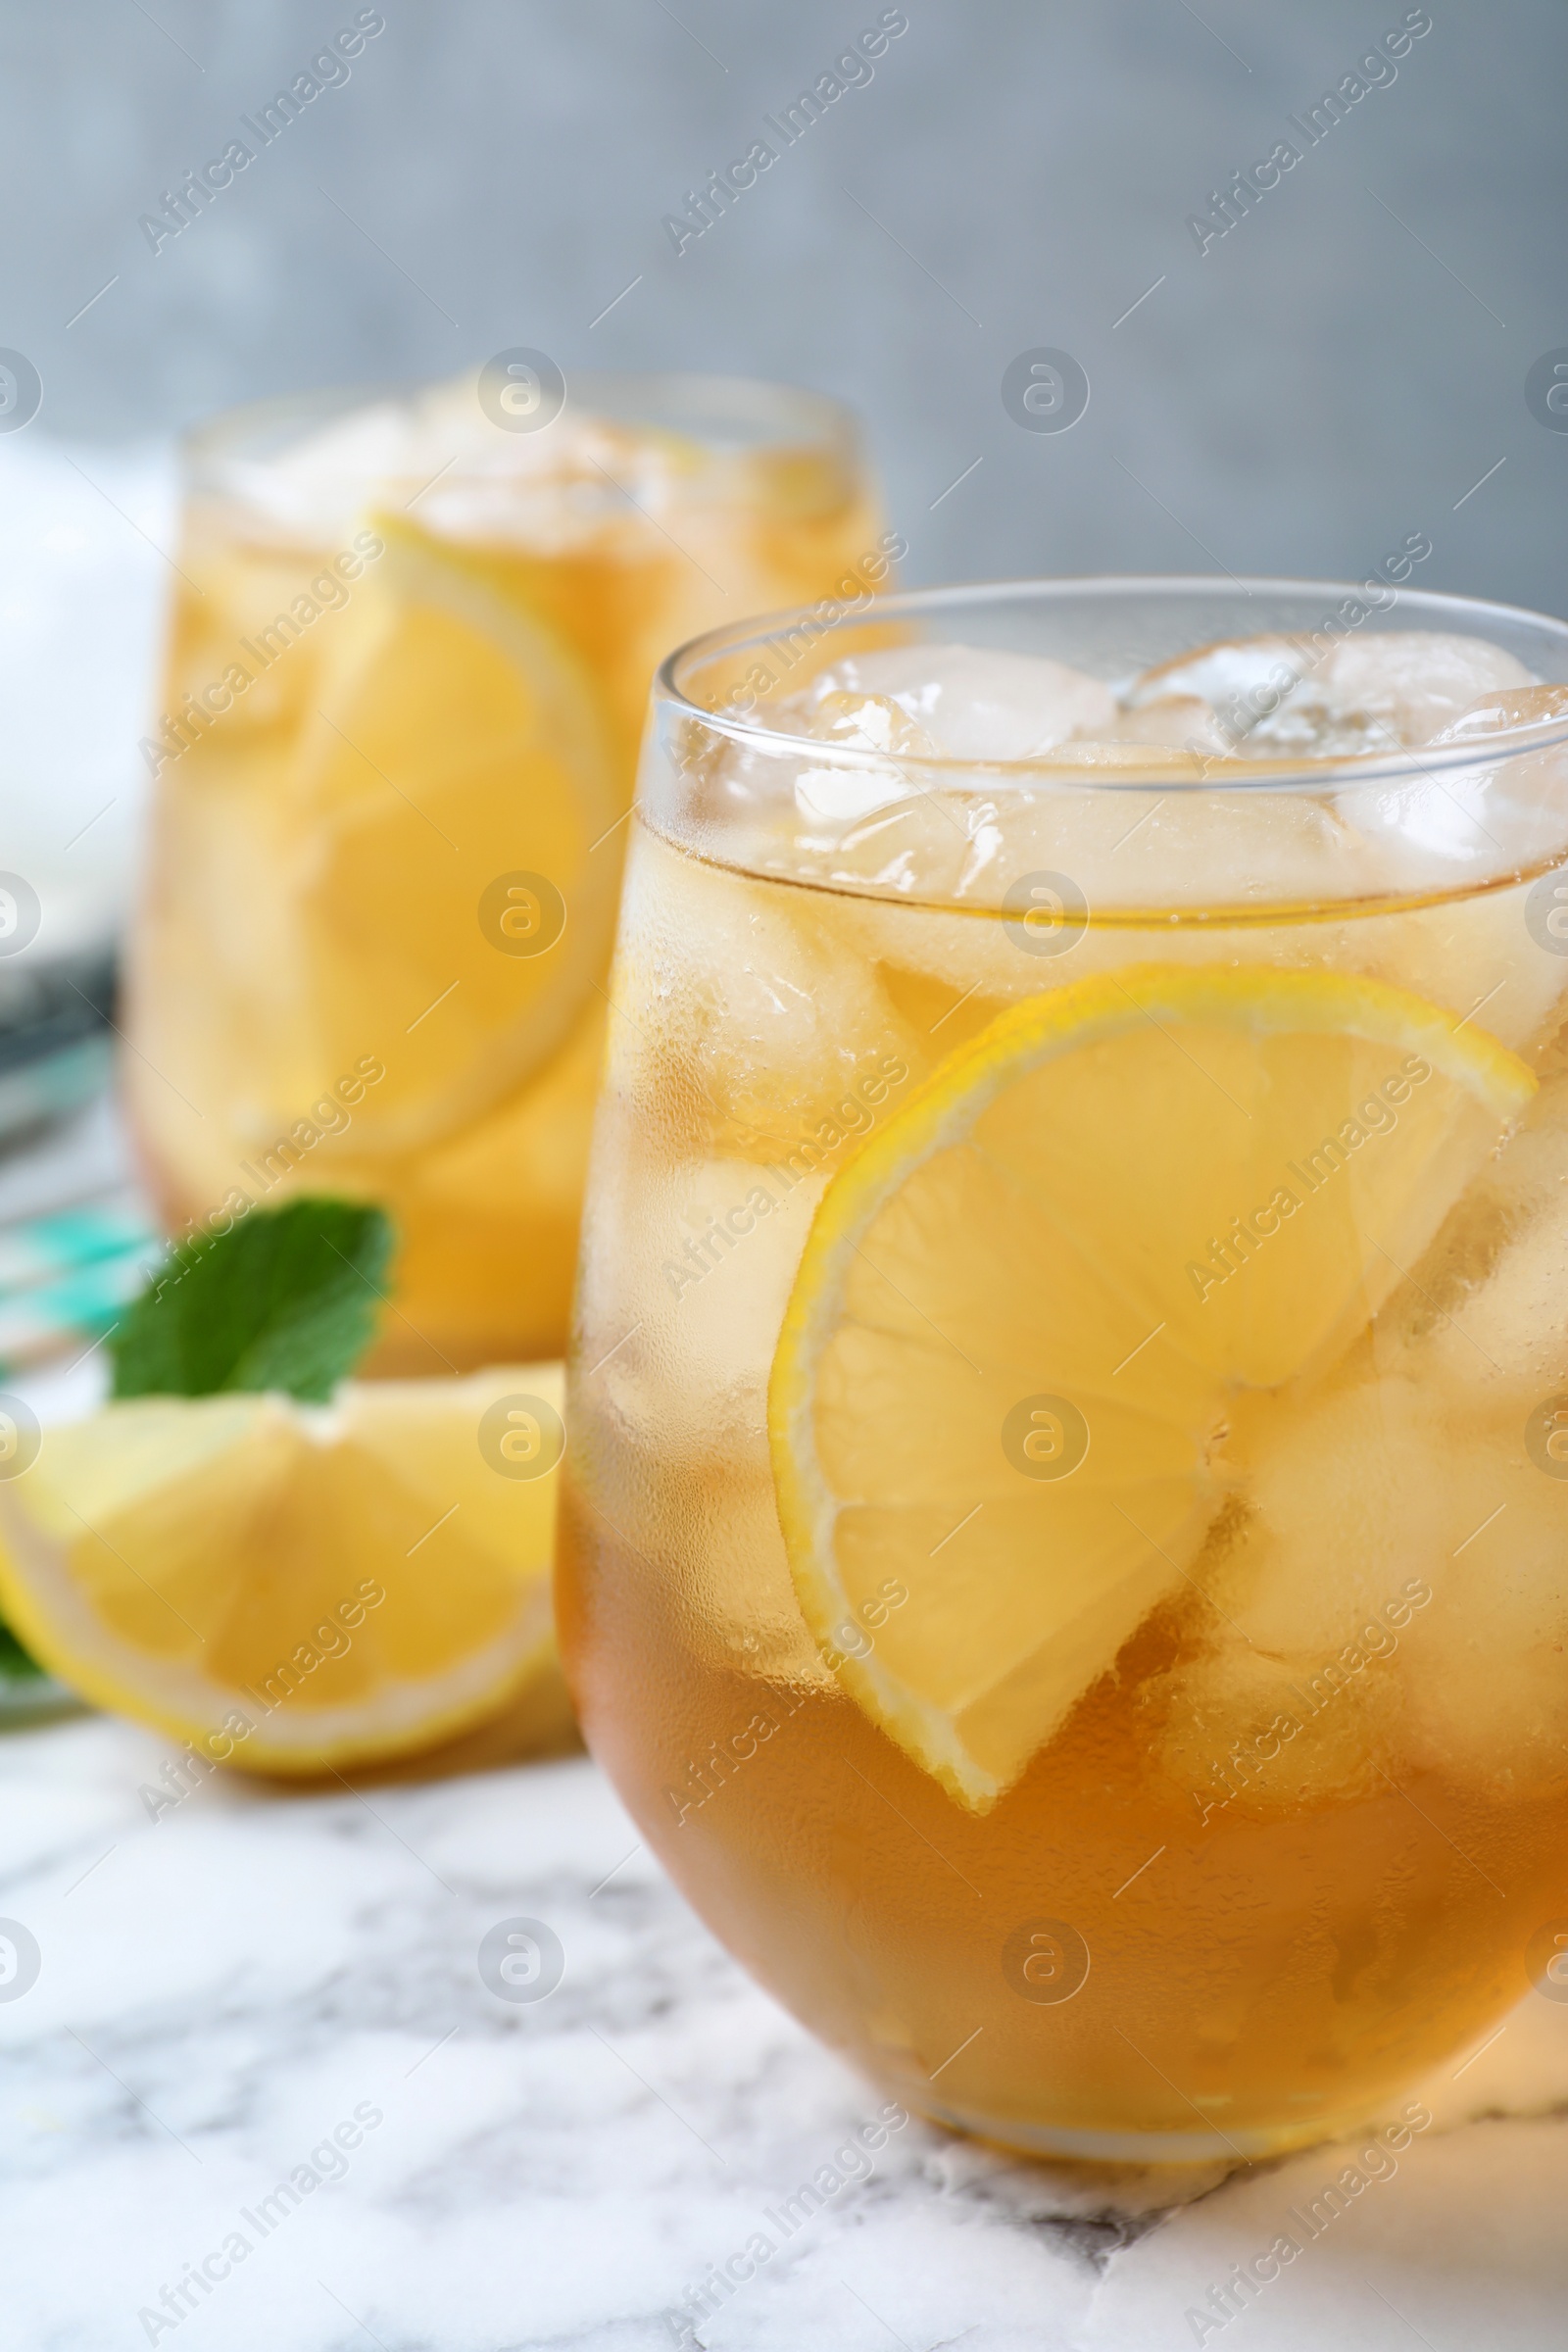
(1004, 1375)
(291, 1586)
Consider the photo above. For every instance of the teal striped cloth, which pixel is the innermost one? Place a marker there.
(64, 1278)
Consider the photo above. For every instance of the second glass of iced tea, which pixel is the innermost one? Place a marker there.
(406, 675)
(1066, 1550)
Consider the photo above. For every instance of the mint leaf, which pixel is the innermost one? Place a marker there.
(15, 1665)
(286, 1300)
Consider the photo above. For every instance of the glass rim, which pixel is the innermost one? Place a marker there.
(1220, 771)
(807, 415)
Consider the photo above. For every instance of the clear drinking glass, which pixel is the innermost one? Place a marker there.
(1066, 1550)
(409, 664)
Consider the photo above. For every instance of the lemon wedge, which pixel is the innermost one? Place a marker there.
(292, 1588)
(1004, 1377)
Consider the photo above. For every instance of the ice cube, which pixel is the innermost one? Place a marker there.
(1345, 1503)
(1486, 1672)
(1116, 827)
(1512, 1329)
(1161, 845)
(1177, 721)
(1096, 853)
(973, 701)
(1477, 821)
(1153, 840)
(1244, 1732)
(1242, 680)
(1502, 710)
(1485, 1315)
(1505, 811)
(750, 1023)
(1281, 697)
(1393, 1579)
(1414, 681)
(1283, 1693)
(865, 722)
(581, 480)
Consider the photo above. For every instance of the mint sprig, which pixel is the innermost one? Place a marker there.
(285, 1299)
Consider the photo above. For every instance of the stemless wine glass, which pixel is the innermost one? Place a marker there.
(1066, 1554)
(408, 669)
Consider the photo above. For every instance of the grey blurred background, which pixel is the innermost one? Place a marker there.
(1334, 373)
(1345, 369)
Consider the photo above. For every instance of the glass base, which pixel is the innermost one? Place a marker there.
(1142, 2147)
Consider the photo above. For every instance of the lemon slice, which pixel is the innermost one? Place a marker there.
(456, 774)
(1001, 1384)
(295, 1586)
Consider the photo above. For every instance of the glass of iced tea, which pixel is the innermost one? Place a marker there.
(1067, 1544)
(406, 675)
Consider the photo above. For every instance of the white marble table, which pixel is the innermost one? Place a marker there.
(225, 1988)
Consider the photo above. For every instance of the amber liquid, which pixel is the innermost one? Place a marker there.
(1265, 1979)
(312, 894)
(1184, 1931)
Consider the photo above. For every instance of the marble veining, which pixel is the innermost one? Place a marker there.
(259, 2041)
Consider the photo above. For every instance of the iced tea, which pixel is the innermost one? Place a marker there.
(410, 657)
(1067, 1549)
